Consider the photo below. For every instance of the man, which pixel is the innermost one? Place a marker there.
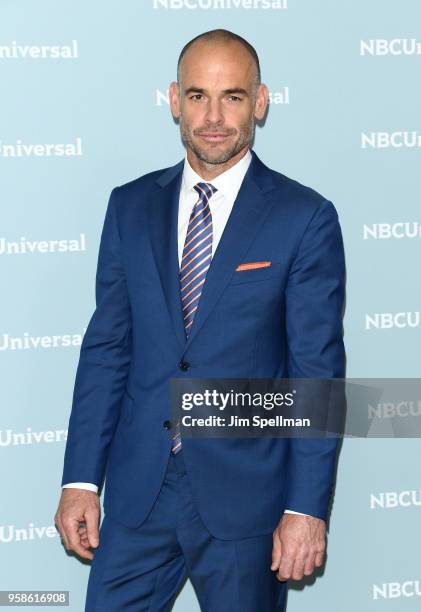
(215, 267)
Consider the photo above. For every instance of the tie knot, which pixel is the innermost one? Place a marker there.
(205, 190)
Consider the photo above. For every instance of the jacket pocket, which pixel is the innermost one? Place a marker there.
(256, 274)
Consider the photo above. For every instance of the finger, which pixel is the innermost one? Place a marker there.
(92, 520)
(285, 567)
(276, 551)
(62, 532)
(71, 529)
(83, 533)
(318, 562)
(298, 569)
(309, 565)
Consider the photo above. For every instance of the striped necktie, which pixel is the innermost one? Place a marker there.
(195, 262)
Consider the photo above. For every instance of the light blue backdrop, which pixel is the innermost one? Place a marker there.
(344, 119)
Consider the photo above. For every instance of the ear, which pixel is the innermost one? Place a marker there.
(174, 99)
(262, 98)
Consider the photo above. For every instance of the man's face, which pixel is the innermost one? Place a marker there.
(217, 100)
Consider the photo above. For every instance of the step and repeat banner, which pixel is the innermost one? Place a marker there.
(83, 108)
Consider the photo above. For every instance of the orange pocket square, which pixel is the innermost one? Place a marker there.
(253, 265)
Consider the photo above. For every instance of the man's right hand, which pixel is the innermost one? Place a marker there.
(79, 505)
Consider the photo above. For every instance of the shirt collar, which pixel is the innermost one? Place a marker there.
(228, 183)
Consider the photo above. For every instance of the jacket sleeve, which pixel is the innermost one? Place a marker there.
(103, 363)
(314, 303)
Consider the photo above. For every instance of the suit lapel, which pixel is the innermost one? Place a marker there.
(249, 211)
(163, 228)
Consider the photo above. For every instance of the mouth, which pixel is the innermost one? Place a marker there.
(213, 137)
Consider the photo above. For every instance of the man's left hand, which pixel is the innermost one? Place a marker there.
(299, 544)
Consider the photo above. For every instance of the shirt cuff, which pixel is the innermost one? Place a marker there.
(88, 486)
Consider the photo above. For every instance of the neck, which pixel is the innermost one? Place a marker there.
(210, 171)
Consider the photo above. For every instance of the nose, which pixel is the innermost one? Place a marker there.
(214, 114)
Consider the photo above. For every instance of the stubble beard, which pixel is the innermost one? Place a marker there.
(245, 138)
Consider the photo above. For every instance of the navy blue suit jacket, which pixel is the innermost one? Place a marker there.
(282, 321)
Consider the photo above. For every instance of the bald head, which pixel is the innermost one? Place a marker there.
(221, 38)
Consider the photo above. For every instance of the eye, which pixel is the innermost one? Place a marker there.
(196, 97)
(234, 98)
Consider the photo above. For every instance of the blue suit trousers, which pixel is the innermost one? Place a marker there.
(143, 569)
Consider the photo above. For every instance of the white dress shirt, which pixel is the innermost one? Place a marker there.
(228, 185)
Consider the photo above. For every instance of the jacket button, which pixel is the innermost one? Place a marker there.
(167, 424)
(184, 366)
